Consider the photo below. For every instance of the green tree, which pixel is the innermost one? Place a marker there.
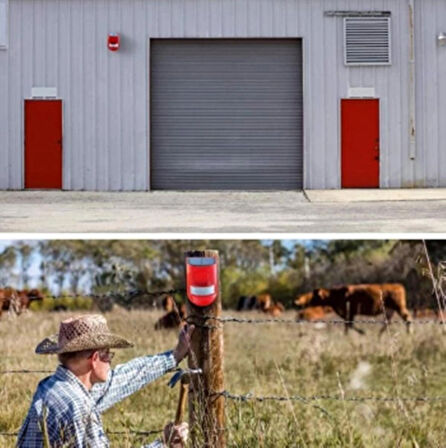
(25, 253)
(8, 259)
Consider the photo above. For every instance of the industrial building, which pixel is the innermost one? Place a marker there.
(222, 94)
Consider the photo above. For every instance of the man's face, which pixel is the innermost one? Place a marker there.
(100, 363)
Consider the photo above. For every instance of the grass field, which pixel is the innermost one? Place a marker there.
(270, 359)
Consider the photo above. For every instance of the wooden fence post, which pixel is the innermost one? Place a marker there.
(206, 411)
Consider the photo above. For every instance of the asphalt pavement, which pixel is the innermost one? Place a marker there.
(332, 211)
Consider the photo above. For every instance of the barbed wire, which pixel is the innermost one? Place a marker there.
(137, 293)
(264, 398)
(243, 320)
(130, 431)
(5, 372)
(130, 294)
(26, 371)
(249, 396)
(139, 433)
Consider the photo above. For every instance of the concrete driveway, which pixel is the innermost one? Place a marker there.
(332, 211)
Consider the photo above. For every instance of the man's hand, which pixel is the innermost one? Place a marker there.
(183, 346)
(175, 436)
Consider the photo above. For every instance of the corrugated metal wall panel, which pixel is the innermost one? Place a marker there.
(60, 43)
(441, 94)
(4, 109)
(5, 179)
(226, 114)
(14, 118)
(89, 61)
(431, 94)
(332, 122)
(396, 161)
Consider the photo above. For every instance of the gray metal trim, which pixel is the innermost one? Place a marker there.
(357, 13)
(148, 117)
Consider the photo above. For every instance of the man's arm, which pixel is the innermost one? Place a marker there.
(128, 378)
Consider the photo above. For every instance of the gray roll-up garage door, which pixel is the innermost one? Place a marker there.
(226, 114)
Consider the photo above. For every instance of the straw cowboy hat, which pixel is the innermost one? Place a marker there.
(82, 333)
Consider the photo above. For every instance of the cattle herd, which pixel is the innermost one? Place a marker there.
(262, 302)
(345, 301)
(368, 299)
(15, 302)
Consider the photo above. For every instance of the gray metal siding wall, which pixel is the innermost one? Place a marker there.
(430, 66)
(226, 114)
(63, 44)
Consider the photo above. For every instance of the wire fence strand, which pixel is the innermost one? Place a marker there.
(206, 322)
(147, 432)
(263, 398)
(130, 294)
(6, 372)
(244, 320)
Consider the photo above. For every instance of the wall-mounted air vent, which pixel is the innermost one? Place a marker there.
(367, 41)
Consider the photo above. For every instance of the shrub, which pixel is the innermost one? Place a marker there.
(47, 304)
(62, 304)
(83, 303)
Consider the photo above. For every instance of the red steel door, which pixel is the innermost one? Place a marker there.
(43, 143)
(360, 143)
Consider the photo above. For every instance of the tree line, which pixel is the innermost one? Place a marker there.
(281, 268)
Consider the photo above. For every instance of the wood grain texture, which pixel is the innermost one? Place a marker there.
(206, 412)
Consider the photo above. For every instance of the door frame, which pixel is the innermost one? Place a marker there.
(23, 124)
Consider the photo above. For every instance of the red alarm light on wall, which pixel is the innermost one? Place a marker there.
(201, 280)
(113, 41)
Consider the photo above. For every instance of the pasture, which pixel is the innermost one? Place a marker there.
(265, 359)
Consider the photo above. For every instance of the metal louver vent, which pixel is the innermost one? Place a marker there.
(367, 41)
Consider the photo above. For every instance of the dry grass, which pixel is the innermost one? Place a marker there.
(272, 359)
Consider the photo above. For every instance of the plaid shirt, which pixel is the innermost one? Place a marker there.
(72, 414)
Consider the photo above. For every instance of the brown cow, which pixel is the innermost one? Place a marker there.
(311, 312)
(314, 313)
(172, 319)
(27, 296)
(264, 301)
(16, 302)
(168, 303)
(9, 300)
(276, 309)
(366, 299)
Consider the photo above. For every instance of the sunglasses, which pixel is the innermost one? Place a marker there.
(104, 356)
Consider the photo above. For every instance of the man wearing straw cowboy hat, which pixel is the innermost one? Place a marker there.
(67, 406)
